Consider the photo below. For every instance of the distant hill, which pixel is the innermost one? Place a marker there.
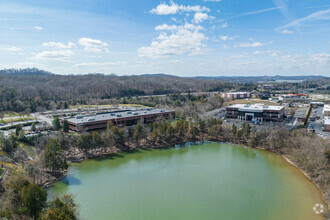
(25, 72)
(259, 78)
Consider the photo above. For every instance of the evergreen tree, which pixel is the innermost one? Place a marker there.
(56, 123)
(33, 126)
(34, 199)
(18, 129)
(65, 126)
(54, 158)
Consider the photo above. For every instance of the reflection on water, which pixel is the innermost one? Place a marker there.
(204, 181)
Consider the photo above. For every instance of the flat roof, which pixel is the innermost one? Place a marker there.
(326, 121)
(326, 108)
(116, 115)
(300, 113)
(256, 107)
(233, 93)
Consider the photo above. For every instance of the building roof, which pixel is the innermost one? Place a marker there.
(116, 115)
(326, 108)
(233, 93)
(300, 113)
(256, 107)
(326, 121)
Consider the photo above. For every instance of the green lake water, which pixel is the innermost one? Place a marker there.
(206, 181)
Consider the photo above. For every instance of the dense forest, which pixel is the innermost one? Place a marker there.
(35, 89)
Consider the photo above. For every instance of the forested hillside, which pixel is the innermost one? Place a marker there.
(33, 88)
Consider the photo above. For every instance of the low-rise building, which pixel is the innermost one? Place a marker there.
(326, 111)
(301, 114)
(326, 124)
(119, 118)
(236, 95)
(291, 97)
(257, 112)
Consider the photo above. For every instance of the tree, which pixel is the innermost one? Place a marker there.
(234, 129)
(56, 123)
(34, 198)
(63, 208)
(138, 133)
(118, 135)
(18, 129)
(96, 138)
(247, 129)
(84, 141)
(65, 126)
(54, 157)
(33, 126)
(202, 125)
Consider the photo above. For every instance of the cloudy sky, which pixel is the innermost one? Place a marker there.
(186, 38)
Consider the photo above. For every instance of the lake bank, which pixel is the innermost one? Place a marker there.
(215, 165)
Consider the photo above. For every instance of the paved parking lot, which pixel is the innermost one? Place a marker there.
(317, 125)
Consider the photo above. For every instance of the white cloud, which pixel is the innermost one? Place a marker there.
(319, 15)
(93, 45)
(224, 25)
(12, 49)
(183, 39)
(224, 37)
(254, 44)
(200, 17)
(254, 12)
(58, 54)
(59, 45)
(286, 32)
(322, 58)
(38, 28)
(272, 53)
(225, 46)
(239, 56)
(118, 63)
(173, 8)
(166, 27)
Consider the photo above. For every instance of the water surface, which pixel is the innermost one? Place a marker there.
(207, 181)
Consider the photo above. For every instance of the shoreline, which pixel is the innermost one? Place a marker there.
(113, 151)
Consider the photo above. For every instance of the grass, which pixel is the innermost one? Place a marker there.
(10, 114)
(251, 101)
(30, 150)
(1, 171)
(95, 106)
(11, 120)
(14, 126)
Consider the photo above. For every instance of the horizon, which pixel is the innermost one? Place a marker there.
(217, 37)
(164, 74)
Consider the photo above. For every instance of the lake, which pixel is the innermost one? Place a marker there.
(194, 181)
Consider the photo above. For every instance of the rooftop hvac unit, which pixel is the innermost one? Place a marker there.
(112, 114)
(129, 113)
(162, 110)
(265, 106)
(149, 109)
(91, 119)
(135, 113)
(119, 115)
(79, 117)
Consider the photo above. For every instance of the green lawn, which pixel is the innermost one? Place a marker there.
(10, 120)
(95, 106)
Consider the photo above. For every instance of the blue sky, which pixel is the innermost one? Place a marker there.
(185, 38)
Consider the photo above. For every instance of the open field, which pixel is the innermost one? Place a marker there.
(11, 120)
(250, 101)
(10, 114)
(104, 106)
